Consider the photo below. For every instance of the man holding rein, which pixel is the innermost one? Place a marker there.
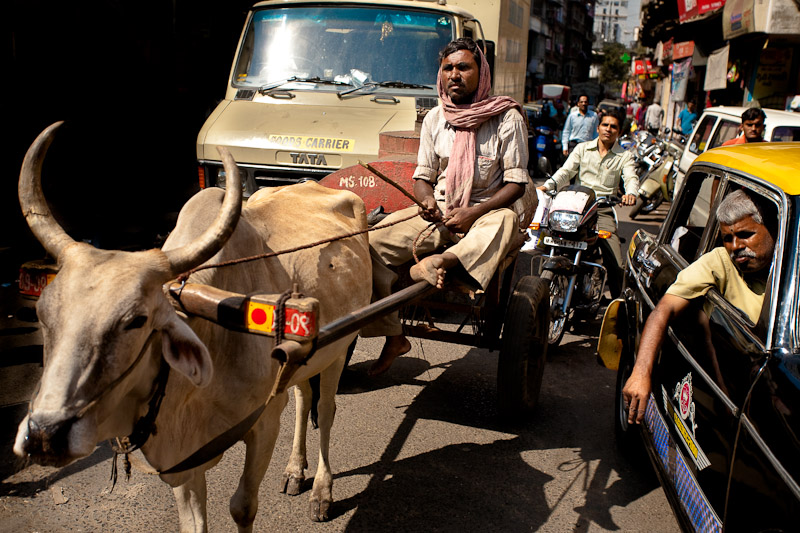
(471, 169)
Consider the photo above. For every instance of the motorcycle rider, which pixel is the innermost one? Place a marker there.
(599, 164)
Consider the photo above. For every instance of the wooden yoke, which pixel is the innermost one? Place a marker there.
(251, 314)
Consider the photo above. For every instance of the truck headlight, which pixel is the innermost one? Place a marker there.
(564, 221)
(221, 178)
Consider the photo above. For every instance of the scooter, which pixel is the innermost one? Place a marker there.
(577, 257)
(658, 183)
(543, 141)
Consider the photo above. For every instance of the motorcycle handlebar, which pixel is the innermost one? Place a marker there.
(608, 201)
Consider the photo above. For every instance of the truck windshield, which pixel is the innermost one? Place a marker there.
(353, 45)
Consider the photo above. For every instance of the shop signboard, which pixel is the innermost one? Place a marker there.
(690, 9)
(737, 18)
(772, 76)
(682, 50)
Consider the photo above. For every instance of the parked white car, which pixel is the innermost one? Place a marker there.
(719, 124)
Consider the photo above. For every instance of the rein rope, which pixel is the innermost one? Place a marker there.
(146, 426)
(185, 276)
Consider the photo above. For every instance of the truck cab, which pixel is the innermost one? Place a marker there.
(313, 84)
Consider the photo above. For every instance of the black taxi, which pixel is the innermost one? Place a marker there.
(722, 424)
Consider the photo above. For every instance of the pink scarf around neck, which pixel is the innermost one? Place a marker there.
(466, 118)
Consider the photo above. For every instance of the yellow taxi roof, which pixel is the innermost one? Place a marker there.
(777, 163)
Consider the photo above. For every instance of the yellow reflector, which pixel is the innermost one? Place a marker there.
(260, 316)
(603, 234)
(201, 174)
(534, 226)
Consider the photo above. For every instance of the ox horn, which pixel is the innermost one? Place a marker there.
(215, 237)
(31, 198)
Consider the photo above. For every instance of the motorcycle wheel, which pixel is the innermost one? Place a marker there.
(558, 284)
(653, 202)
(637, 208)
(523, 349)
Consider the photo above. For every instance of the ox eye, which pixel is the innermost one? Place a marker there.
(137, 322)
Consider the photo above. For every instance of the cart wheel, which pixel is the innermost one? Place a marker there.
(557, 289)
(523, 349)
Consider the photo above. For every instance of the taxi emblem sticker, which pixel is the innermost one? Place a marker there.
(683, 395)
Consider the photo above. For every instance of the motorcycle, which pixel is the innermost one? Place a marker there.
(577, 261)
(658, 182)
(543, 141)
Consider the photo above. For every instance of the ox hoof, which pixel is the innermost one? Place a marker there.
(319, 510)
(292, 484)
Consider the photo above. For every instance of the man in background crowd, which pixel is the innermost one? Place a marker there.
(752, 128)
(686, 118)
(653, 118)
(580, 126)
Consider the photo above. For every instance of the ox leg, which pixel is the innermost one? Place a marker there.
(294, 475)
(191, 502)
(260, 442)
(322, 492)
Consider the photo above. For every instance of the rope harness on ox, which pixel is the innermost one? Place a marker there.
(185, 276)
(145, 426)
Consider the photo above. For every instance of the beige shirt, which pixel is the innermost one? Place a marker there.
(501, 153)
(601, 174)
(715, 269)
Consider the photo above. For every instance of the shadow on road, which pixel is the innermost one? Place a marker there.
(478, 487)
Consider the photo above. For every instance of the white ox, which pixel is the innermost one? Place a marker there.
(101, 309)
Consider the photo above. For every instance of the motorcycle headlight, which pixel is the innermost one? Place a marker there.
(564, 221)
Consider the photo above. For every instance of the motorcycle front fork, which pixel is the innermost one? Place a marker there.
(573, 280)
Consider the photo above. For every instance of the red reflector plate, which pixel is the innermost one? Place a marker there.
(261, 317)
(31, 283)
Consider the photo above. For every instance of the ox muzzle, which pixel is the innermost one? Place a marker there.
(51, 440)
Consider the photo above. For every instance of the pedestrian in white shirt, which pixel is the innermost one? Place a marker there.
(579, 127)
(653, 118)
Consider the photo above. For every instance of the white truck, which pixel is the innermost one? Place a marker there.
(314, 83)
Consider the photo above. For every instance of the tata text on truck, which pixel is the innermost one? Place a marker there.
(313, 84)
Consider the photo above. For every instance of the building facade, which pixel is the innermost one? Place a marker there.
(560, 41)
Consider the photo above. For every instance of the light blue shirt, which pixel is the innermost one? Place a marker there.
(579, 127)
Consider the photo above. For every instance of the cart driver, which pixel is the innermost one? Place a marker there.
(738, 270)
(600, 164)
(471, 169)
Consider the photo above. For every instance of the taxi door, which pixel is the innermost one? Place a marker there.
(691, 415)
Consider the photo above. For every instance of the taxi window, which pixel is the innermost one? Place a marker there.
(785, 134)
(693, 215)
(726, 131)
(702, 134)
(756, 281)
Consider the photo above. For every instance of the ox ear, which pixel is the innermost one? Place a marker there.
(186, 353)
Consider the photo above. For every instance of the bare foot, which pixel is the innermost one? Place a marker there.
(429, 269)
(396, 345)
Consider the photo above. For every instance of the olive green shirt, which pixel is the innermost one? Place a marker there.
(601, 174)
(715, 269)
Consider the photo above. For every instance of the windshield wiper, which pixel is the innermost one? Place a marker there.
(315, 79)
(392, 84)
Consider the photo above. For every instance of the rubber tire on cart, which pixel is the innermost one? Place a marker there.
(523, 349)
(555, 280)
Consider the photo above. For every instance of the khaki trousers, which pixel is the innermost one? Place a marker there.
(479, 251)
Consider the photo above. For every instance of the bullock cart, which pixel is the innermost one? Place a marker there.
(510, 316)
(510, 320)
